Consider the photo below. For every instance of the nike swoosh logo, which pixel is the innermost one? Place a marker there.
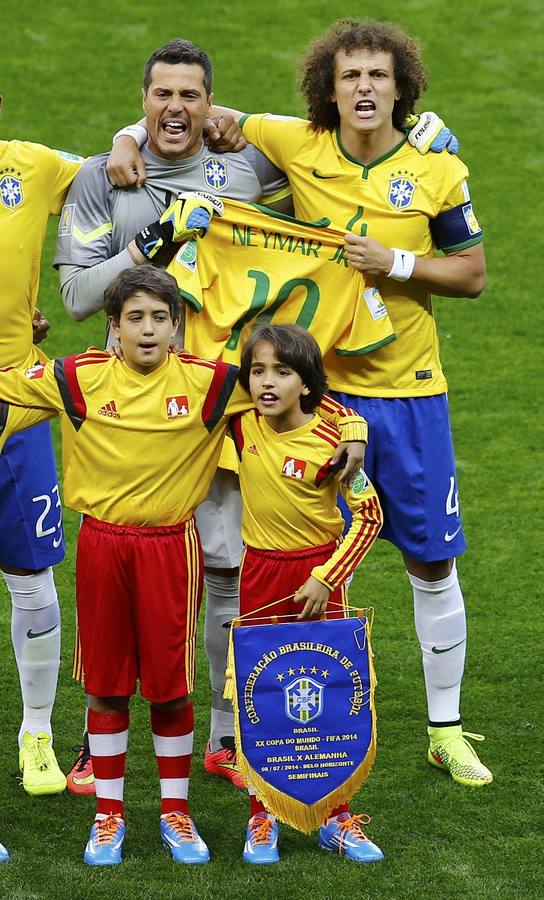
(87, 780)
(34, 634)
(316, 174)
(445, 649)
(449, 537)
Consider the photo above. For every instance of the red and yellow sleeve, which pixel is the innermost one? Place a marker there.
(24, 402)
(366, 523)
(352, 426)
(34, 387)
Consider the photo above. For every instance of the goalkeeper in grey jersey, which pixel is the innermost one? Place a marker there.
(100, 234)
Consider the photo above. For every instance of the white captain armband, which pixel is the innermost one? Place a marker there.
(137, 132)
(403, 265)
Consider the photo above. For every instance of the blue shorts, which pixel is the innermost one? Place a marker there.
(410, 461)
(31, 534)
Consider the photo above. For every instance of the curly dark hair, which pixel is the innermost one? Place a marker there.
(293, 347)
(317, 68)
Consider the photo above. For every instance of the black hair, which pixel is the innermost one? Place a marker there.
(142, 278)
(180, 51)
(293, 347)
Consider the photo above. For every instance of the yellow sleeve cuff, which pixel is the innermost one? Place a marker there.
(354, 429)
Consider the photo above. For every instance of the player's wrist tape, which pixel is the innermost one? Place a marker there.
(154, 238)
(403, 265)
(136, 132)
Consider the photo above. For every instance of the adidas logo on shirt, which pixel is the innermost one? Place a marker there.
(253, 449)
(110, 410)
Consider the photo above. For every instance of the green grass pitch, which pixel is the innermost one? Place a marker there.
(70, 74)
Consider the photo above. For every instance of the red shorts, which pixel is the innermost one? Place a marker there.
(138, 592)
(268, 575)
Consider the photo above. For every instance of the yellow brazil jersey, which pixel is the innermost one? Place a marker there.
(139, 449)
(33, 184)
(258, 266)
(419, 203)
(289, 494)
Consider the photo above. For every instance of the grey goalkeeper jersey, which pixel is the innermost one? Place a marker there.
(98, 221)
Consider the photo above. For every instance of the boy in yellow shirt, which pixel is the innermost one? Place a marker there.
(292, 526)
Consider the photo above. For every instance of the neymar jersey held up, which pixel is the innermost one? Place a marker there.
(140, 449)
(259, 266)
(289, 494)
(403, 199)
(33, 183)
(99, 221)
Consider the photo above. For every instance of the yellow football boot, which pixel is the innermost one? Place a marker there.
(450, 750)
(37, 761)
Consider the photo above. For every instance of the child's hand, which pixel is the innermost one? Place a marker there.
(115, 350)
(315, 597)
(40, 327)
(355, 457)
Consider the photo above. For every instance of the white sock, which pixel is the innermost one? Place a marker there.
(439, 613)
(35, 634)
(222, 607)
(221, 726)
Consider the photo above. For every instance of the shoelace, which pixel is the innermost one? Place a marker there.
(260, 828)
(352, 826)
(106, 830)
(464, 734)
(181, 825)
(83, 757)
(39, 749)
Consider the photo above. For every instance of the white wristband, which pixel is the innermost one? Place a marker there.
(137, 132)
(403, 265)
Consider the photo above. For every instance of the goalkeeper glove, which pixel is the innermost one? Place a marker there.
(188, 216)
(428, 132)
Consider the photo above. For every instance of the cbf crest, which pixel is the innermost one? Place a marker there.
(11, 191)
(215, 173)
(401, 192)
(304, 699)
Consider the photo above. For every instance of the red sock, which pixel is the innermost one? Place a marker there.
(338, 810)
(173, 742)
(255, 806)
(108, 740)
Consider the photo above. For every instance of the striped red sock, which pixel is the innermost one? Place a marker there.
(108, 740)
(173, 742)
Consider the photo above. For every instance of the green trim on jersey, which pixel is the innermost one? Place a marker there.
(322, 223)
(367, 166)
(463, 245)
(363, 350)
(191, 300)
(243, 119)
